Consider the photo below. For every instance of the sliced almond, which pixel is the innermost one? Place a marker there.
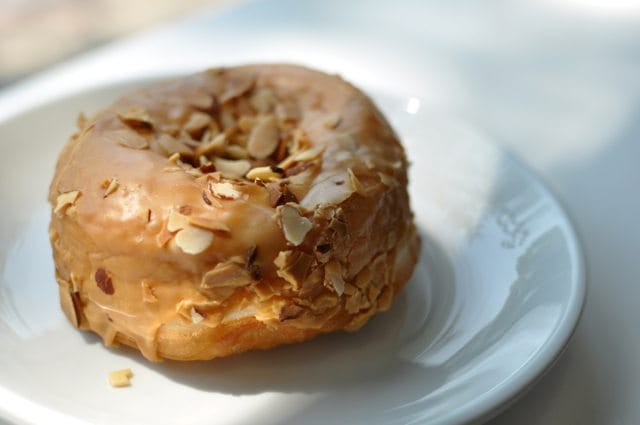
(263, 100)
(216, 146)
(148, 295)
(193, 240)
(136, 116)
(333, 277)
(129, 139)
(300, 183)
(174, 158)
(111, 187)
(388, 180)
(176, 221)
(294, 225)
(246, 123)
(163, 236)
(227, 120)
(305, 155)
(197, 123)
(264, 138)
(120, 378)
(355, 183)
(264, 173)
(195, 316)
(224, 190)
(236, 86)
(226, 274)
(293, 266)
(232, 168)
(287, 111)
(209, 224)
(236, 152)
(332, 121)
(201, 100)
(171, 145)
(65, 200)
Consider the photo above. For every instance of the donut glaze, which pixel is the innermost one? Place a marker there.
(231, 210)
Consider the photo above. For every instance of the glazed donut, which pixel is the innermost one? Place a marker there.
(236, 209)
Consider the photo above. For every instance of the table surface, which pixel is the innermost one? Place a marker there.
(555, 82)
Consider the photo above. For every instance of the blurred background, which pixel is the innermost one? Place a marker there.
(38, 33)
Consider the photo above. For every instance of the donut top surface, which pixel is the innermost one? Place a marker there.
(233, 176)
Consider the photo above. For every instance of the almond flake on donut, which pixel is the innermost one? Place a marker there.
(233, 169)
(112, 186)
(176, 221)
(226, 274)
(264, 138)
(148, 295)
(209, 224)
(333, 277)
(129, 139)
(171, 145)
(387, 180)
(295, 226)
(293, 266)
(136, 117)
(263, 100)
(193, 240)
(236, 152)
(66, 200)
(355, 182)
(196, 317)
(197, 123)
(236, 87)
(264, 173)
(224, 190)
(215, 146)
(332, 121)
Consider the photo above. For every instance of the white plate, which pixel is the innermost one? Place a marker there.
(493, 301)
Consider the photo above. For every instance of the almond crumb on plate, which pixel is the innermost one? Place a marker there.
(120, 378)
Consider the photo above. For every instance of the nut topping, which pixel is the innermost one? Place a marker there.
(264, 138)
(332, 121)
(387, 180)
(264, 173)
(129, 139)
(120, 378)
(333, 277)
(172, 145)
(263, 100)
(215, 146)
(193, 240)
(177, 221)
(209, 224)
(233, 169)
(136, 117)
(66, 200)
(197, 123)
(355, 183)
(224, 190)
(195, 316)
(294, 225)
(112, 186)
(293, 266)
(226, 274)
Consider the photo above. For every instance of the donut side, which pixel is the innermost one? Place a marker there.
(232, 210)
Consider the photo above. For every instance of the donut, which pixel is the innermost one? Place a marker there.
(236, 209)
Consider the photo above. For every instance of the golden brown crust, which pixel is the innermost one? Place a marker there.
(231, 210)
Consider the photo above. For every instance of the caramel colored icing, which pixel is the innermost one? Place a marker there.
(235, 209)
